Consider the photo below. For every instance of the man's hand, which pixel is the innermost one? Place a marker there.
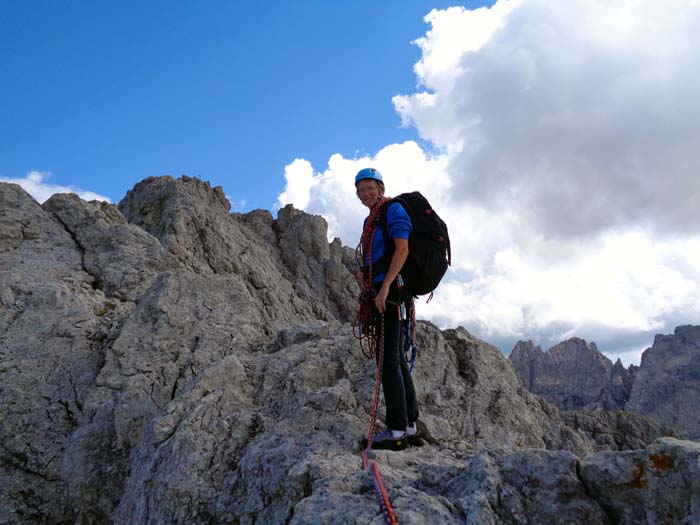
(380, 300)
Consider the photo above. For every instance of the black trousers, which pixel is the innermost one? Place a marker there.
(397, 383)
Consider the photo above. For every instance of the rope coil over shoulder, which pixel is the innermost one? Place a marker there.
(364, 327)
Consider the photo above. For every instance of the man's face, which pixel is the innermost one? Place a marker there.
(368, 192)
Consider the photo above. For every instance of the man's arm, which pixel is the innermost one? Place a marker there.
(400, 256)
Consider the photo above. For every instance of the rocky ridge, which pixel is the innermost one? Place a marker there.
(667, 385)
(165, 361)
(575, 375)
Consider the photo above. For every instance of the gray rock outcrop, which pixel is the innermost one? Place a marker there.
(165, 361)
(667, 385)
(573, 375)
(660, 484)
(615, 430)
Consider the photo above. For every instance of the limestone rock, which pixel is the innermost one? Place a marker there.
(573, 375)
(660, 484)
(576, 376)
(53, 326)
(122, 258)
(616, 430)
(667, 385)
(542, 486)
(168, 362)
(191, 221)
(317, 267)
(261, 222)
(621, 382)
(273, 437)
(473, 392)
(287, 264)
(34, 242)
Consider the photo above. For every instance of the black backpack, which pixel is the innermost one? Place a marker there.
(429, 252)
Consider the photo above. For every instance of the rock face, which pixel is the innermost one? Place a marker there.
(667, 386)
(165, 361)
(615, 430)
(658, 485)
(573, 375)
(576, 376)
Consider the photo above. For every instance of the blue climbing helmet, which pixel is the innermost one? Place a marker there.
(368, 173)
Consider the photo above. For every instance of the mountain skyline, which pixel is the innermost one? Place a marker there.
(557, 140)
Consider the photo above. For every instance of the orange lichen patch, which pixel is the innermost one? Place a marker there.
(639, 477)
(661, 461)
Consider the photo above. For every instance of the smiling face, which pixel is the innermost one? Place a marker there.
(369, 192)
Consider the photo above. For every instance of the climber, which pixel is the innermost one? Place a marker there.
(384, 294)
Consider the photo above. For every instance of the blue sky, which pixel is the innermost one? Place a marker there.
(103, 94)
(558, 139)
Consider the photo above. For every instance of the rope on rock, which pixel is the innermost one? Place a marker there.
(382, 496)
(364, 327)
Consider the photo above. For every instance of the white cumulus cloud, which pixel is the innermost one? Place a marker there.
(404, 167)
(34, 183)
(578, 116)
(565, 164)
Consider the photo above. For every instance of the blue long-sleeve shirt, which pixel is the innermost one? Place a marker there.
(398, 226)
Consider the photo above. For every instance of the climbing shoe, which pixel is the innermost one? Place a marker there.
(415, 441)
(387, 441)
(412, 437)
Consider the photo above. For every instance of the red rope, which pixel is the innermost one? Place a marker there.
(364, 327)
(382, 496)
(377, 385)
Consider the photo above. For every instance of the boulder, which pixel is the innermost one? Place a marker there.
(659, 484)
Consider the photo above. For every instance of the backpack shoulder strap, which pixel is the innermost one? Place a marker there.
(382, 265)
(405, 205)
